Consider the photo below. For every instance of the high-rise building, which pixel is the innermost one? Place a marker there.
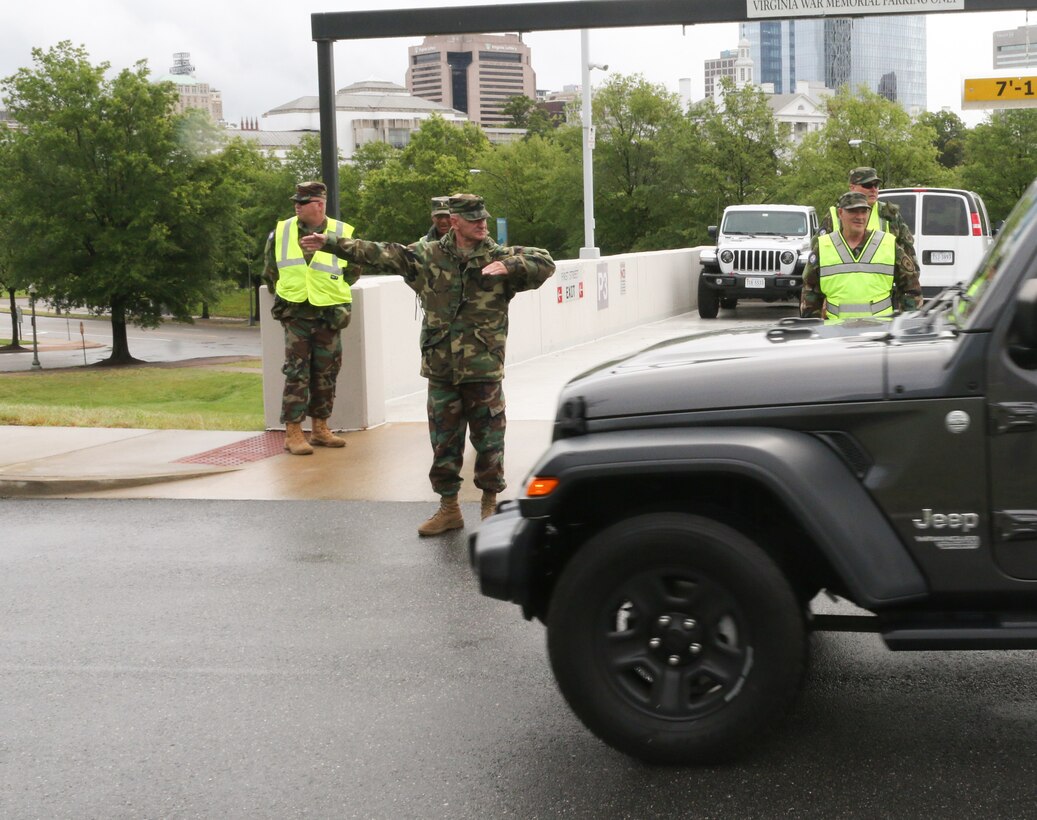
(473, 73)
(1015, 48)
(885, 54)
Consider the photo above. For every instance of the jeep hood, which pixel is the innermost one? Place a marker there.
(747, 367)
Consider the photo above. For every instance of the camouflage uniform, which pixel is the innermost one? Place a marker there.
(440, 207)
(312, 339)
(907, 292)
(889, 217)
(463, 337)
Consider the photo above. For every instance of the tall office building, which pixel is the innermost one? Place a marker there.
(192, 93)
(1015, 48)
(884, 54)
(473, 73)
(715, 70)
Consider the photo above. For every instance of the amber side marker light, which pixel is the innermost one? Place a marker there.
(541, 486)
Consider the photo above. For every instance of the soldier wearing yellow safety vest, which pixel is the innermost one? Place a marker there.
(857, 272)
(885, 216)
(312, 301)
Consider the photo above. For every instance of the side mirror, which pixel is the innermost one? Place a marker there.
(997, 227)
(712, 231)
(1024, 322)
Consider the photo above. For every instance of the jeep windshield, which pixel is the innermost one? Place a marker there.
(765, 223)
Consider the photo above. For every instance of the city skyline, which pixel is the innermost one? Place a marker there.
(264, 58)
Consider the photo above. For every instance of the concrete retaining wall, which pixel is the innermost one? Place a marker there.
(586, 299)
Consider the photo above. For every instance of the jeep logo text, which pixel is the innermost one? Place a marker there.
(939, 521)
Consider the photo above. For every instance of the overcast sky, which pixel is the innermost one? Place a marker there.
(259, 53)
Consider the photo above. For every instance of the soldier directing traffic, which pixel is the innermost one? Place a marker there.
(857, 272)
(464, 282)
(312, 301)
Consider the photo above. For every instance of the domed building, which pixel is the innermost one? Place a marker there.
(369, 111)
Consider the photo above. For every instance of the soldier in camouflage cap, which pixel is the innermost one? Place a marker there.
(312, 301)
(440, 218)
(885, 215)
(465, 282)
(857, 271)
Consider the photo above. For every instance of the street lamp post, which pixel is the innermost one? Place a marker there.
(502, 236)
(35, 347)
(588, 251)
(856, 142)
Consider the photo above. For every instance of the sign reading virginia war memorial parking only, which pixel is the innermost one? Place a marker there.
(820, 8)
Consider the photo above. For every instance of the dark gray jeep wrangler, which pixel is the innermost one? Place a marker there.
(697, 496)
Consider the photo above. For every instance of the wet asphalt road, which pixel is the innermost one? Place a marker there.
(60, 342)
(287, 659)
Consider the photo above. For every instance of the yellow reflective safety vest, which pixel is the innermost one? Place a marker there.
(321, 282)
(857, 287)
(875, 222)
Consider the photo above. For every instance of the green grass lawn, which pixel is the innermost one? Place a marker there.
(183, 398)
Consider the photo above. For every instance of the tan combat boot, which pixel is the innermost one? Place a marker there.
(294, 440)
(322, 436)
(489, 504)
(447, 517)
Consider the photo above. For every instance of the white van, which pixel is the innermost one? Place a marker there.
(951, 229)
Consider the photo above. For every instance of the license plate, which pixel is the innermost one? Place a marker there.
(755, 282)
(942, 257)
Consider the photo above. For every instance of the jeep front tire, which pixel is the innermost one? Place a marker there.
(676, 639)
(709, 302)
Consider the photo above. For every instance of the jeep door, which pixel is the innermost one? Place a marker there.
(1012, 437)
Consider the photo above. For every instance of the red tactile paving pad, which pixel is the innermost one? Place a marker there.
(242, 452)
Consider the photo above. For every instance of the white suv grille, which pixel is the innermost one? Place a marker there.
(757, 261)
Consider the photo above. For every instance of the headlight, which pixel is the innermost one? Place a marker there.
(787, 257)
(727, 257)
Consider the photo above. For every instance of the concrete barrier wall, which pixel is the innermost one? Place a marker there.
(586, 299)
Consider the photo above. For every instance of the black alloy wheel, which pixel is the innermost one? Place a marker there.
(676, 639)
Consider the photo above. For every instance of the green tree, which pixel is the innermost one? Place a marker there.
(631, 116)
(903, 152)
(302, 161)
(394, 202)
(527, 182)
(517, 109)
(1001, 158)
(374, 155)
(139, 223)
(950, 136)
(744, 146)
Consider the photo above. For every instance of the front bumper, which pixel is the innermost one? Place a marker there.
(502, 551)
(753, 286)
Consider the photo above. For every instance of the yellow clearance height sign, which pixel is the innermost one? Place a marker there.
(999, 92)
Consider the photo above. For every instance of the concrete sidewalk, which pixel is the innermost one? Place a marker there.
(389, 462)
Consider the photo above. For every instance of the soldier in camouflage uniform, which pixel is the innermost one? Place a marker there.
(440, 218)
(465, 282)
(312, 301)
(854, 218)
(885, 216)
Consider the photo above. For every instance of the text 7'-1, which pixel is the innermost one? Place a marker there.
(1002, 85)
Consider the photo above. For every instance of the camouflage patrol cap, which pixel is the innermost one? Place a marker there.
(852, 200)
(305, 191)
(468, 206)
(440, 206)
(858, 176)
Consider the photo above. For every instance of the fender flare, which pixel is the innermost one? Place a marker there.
(808, 477)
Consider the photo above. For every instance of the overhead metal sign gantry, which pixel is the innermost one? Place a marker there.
(329, 27)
